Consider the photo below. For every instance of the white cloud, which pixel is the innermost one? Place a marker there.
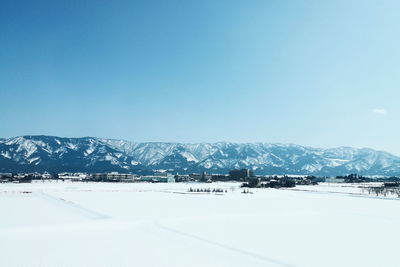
(379, 111)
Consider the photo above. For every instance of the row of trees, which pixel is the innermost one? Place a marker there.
(207, 190)
(383, 191)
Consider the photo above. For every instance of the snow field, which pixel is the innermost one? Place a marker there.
(102, 224)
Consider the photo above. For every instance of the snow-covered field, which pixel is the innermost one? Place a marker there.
(102, 224)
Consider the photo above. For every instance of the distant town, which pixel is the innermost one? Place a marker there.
(244, 176)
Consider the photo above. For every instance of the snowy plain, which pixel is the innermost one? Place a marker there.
(141, 224)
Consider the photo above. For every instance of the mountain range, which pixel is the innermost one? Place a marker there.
(89, 154)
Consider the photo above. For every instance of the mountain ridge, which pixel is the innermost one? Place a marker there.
(93, 154)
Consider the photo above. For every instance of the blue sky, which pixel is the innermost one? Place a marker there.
(317, 73)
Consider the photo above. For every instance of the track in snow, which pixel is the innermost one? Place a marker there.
(91, 214)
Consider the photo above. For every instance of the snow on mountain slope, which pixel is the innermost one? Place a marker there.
(47, 153)
(40, 153)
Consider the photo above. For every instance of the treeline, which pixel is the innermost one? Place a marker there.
(356, 178)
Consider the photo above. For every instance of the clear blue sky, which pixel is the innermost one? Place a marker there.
(317, 73)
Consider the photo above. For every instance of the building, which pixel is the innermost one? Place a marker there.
(112, 177)
(161, 177)
(5, 177)
(195, 176)
(240, 174)
(182, 178)
(220, 177)
(205, 177)
(73, 176)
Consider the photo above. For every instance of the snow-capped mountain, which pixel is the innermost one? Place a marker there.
(89, 154)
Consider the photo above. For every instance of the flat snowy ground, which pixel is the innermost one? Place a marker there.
(102, 224)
